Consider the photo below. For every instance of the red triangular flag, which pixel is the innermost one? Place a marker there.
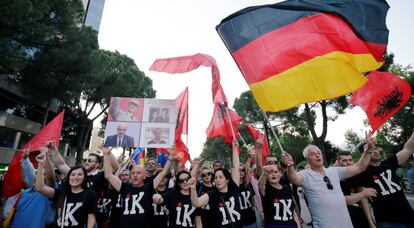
(381, 97)
(255, 135)
(219, 124)
(181, 151)
(181, 103)
(12, 183)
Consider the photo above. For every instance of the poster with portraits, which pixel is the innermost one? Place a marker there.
(140, 122)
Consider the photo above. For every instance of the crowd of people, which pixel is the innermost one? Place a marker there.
(104, 192)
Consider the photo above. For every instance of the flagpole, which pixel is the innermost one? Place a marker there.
(230, 123)
(242, 139)
(273, 131)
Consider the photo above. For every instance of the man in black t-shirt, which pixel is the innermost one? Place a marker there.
(391, 207)
(136, 196)
(354, 198)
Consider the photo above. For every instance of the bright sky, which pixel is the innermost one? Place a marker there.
(147, 30)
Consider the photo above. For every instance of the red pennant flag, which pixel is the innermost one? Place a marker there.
(182, 114)
(381, 97)
(12, 183)
(181, 151)
(185, 64)
(219, 124)
(256, 134)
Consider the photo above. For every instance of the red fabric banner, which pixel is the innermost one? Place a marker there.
(220, 126)
(185, 64)
(256, 134)
(181, 103)
(12, 183)
(381, 97)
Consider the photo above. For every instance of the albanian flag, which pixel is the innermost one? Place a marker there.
(381, 97)
(12, 183)
(220, 126)
(181, 103)
(301, 51)
(185, 64)
(256, 134)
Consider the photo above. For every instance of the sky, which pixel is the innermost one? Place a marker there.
(151, 29)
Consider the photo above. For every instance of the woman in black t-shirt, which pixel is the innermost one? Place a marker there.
(181, 212)
(160, 213)
(224, 200)
(277, 201)
(75, 203)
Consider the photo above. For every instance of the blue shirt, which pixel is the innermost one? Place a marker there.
(33, 208)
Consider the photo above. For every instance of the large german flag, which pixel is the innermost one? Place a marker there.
(302, 51)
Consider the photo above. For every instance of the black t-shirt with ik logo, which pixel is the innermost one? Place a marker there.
(181, 212)
(226, 208)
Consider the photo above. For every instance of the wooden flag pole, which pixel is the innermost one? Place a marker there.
(273, 131)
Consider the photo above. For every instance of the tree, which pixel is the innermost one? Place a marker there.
(27, 27)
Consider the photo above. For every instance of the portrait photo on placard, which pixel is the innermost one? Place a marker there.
(155, 135)
(125, 109)
(159, 111)
(122, 134)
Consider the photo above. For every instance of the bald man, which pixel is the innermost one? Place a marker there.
(120, 139)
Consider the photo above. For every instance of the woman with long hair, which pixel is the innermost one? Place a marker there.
(277, 200)
(224, 200)
(76, 203)
(181, 212)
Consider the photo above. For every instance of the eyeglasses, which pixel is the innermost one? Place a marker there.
(206, 174)
(328, 182)
(180, 181)
(90, 160)
(242, 170)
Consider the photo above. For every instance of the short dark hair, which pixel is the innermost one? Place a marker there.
(269, 156)
(343, 153)
(97, 156)
(218, 161)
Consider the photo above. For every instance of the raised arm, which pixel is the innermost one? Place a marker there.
(115, 182)
(195, 200)
(293, 176)
(407, 151)
(50, 173)
(27, 169)
(166, 168)
(58, 160)
(250, 155)
(40, 180)
(195, 172)
(259, 160)
(235, 174)
(262, 180)
(363, 162)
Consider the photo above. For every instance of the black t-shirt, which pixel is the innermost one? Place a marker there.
(246, 204)
(226, 208)
(98, 184)
(181, 212)
(115, 208)
(150, 178)
(358, 218)
(207, 216)
(278, 206)
(137, 205)
(77, 208)
(390, 205)
(160, 215)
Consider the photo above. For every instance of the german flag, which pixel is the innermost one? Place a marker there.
(303, 51)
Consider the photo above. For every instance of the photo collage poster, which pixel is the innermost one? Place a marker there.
(140, 122)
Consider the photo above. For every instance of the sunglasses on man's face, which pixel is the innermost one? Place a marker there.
(90, 160)
(206, 174)
(271, 162)
(328, 182)
(180, 181)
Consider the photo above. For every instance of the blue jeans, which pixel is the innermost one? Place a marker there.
(410, 174)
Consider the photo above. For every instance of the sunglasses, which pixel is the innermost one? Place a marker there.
(242, 170)
(90, 160)
(271, 162)
(206, 174)
(180, 181)
(328, 182)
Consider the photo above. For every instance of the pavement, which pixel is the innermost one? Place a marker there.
(306, 215)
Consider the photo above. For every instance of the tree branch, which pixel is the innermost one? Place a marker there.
(310, 123)
(324, 121)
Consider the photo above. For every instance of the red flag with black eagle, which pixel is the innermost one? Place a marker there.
(381, 97)
(220, 126)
